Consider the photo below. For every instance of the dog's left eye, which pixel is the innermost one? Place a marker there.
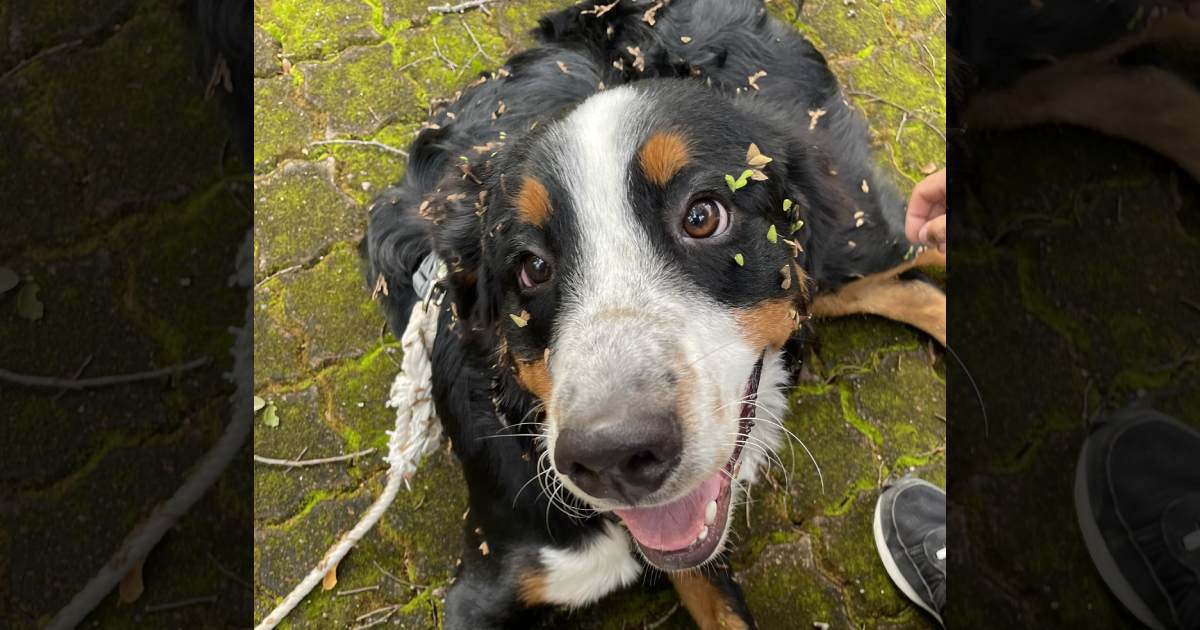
(534, 270)
(705, 218)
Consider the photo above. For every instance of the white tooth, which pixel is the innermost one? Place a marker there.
(703, 534)
(710, 513)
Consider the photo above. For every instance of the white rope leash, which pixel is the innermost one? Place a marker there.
(415, 434)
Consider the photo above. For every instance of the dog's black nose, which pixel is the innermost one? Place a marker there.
(622, 460)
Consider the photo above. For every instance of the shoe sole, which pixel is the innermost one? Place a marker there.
(893, 571)
(1094, 541)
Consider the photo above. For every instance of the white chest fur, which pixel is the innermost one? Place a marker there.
(578, 577)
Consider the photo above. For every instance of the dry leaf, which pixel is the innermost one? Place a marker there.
(755, 158)
(685, 39)
(648, 16)
(601, 9)
(758, 175)
(562, 66)
(131, 587)
(639, 61)
(786, 272)
(503, 72)
(865, 187)
(813, 116)
(753, 79)
(858, 223)
(330, 579)
(483, 548)
(380, 287)
(521, 320)
(851, 244)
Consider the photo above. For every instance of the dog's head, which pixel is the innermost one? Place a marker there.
(638, 262)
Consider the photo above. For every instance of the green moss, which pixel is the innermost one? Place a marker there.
(315, 29)
(349, 90)
(282, 126)
(851, 415)
(298, 210)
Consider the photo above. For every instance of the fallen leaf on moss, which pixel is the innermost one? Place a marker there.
(259, 403)
(330, 579)
(131, 586)
(865, 187)
(270, 417)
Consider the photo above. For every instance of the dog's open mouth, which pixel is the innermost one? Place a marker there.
(684, 533)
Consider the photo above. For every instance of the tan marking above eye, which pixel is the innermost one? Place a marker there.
(533, 202)
(662, 156)
(768, 324)
(535, 377)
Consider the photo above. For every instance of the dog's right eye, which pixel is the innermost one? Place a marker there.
(534, 270)
(705, 218)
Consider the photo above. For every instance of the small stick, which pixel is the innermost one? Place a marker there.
(356, 591)
(366, 143)
(477, 45)
(903, 119)
(75, 376)
(45, 53)
(386, 609)
(281, 272)
(459, 8)
(298, 456)
(103, 381)
(663, 619)
(207, 599)
(414, 62)
(437, 50)
(310, 462)
(398, 580)
(226, 572)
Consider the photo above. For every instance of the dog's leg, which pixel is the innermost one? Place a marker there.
(913, 302)
(714, 600)
(1147, 105)
(487, 593)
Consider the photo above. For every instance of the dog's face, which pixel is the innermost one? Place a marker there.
(637, 294)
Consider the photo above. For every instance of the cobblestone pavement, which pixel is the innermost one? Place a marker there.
(871, 404)
(114, 203)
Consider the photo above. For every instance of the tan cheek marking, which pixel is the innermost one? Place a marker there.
(533, 202)
(663, 155)
(535, 378)
(532, 590)
(768, 324)
(705, 603)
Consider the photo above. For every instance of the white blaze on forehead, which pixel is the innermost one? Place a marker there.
(619, 267)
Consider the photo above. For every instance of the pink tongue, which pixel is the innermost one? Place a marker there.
(674, 525)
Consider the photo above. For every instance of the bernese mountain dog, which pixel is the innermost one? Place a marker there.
(636, 219)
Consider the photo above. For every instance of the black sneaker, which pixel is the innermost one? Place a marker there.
(1137, 495)
(910, 534)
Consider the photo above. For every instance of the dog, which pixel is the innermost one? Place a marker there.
(637, 218)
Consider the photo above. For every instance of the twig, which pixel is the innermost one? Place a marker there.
(398, 580)
(226, 572)
(437, 50)
(477, 45)
(413, 63)
(903, 120)
(356, 591)
(292, 463)
(366, 143)
(102, 381)
(376, 622)
(466, 66)
(75, 376)
(459, 8)
(44, 53)
(298, 456)
(386, 609)
(207, 599)
(663, 619)
(285, 270)
(885, 101)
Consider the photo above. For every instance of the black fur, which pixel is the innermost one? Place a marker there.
(476, 395)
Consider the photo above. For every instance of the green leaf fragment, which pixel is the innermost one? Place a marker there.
(787, 205)
(28, 304)
(270, 416)
(797, 225)
(739, 259)
(8, 279)
(731, 182)
(259, 403)
(772, 234)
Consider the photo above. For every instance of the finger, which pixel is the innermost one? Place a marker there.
(935, 232)
(928, 200)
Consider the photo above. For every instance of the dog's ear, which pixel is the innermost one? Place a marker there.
(458, 212)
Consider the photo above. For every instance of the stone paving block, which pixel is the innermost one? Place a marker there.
(282, 126)
(425, 523)
(277, 352)
(360, 91)
(310, 29)
(332, 308)
(364, 171)
(354, 394)
(282, 492)
(298, 212)
(285, 554)
(785, 591)
(266, 56)
(436, 77)
(846, 456)
(32, 26)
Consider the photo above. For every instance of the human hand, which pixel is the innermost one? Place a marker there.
(925, 220)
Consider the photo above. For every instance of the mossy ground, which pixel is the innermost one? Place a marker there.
(115, 203)
(871, 404)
